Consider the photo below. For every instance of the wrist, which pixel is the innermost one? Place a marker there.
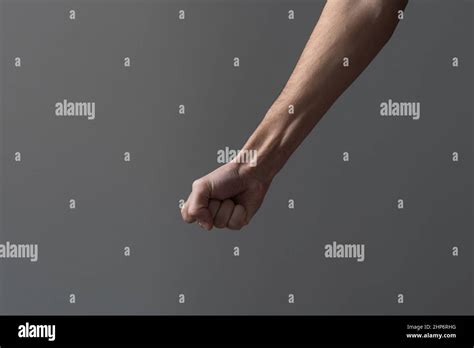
(269, 148)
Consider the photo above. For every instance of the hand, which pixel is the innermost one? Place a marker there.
(227, 197)
(231, 195)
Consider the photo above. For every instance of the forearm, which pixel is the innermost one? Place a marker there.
(353, 29)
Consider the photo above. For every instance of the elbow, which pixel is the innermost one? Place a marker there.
(379, 7)
(383, 10)
(383, 15)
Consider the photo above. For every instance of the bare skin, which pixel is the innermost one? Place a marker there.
(230, 196)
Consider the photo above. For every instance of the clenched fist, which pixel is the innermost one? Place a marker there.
(232, 194)
(227, 197)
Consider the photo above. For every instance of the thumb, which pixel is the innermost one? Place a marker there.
(197, 205)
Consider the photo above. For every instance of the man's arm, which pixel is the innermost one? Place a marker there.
(356, 29)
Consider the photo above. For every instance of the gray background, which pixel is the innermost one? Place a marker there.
(136, 204)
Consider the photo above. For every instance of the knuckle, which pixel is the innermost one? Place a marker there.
(186, 217)
(219, 224)
(235, 226)
(197, 183)
(193, 211)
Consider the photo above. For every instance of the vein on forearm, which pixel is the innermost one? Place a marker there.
(355, 29)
